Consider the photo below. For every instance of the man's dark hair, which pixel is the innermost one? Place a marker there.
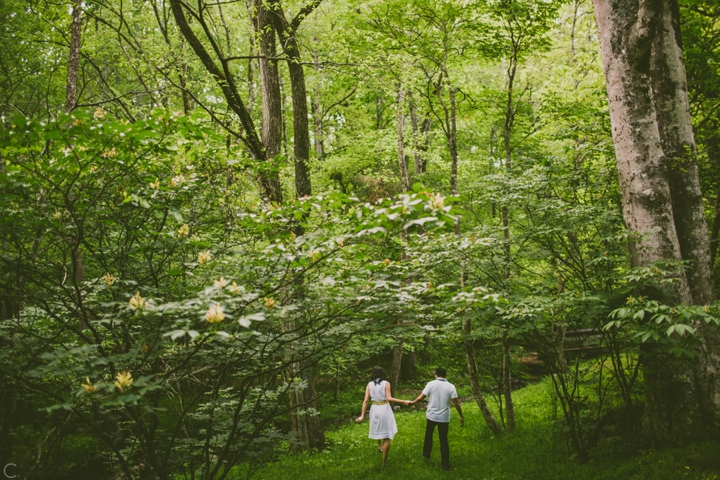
(440, 372)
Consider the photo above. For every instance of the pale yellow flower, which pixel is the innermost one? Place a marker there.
(155, 185)
(183, 231)
(269, 302)
(340, 242)
(204, 257)
(136, 301)
(215, 314)
(88, 386)
(315, 255)
(234, 288)
(109, 279)
(123, 380)
(57, 215)
(387, 262)
(176, 180)
(99, 113)
(93, 169)
(220, 282)
(109, 153)
(437, 201)
(706, 309)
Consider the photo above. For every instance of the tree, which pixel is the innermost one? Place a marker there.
(649, 112)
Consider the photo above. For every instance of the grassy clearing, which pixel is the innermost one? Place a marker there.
(537, 450)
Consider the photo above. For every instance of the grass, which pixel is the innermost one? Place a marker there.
(537, 450)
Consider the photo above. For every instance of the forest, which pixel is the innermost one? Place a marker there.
(217, 216)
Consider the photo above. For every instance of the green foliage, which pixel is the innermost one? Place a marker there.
(536, 451)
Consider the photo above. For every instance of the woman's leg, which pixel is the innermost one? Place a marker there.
(379, 445)
(385, 450)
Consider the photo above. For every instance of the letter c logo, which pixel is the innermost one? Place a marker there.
(5, 470)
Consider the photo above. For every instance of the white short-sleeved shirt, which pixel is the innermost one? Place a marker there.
(440, 393)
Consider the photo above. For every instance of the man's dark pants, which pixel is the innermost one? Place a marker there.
(444, 447)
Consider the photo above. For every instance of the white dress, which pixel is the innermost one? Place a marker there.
(382, 420)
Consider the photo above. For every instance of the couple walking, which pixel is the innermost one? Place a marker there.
(440, 393)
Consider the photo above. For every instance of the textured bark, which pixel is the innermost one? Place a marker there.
(420, 134)
(187, 102)
(402, 159)
(713, 152)
(452, 142)
(306, 425)
(317, 114)
(78, 268)
(271, 98)
(301, 127)
(507, 383)
(475, 380)
(74, 58)
(669, 84)
(670, 97)
(396, 366)
(647, 208)
(626, 31)
(223, 77)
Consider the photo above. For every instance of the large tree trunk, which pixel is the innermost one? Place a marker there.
(475, 380)
(670, 95)
(626, 31)
(271, 99)
(646, 202)
(672, 106)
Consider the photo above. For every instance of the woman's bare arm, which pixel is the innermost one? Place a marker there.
(390, 398)
(364, 406)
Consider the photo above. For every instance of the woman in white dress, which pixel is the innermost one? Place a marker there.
(382, 421)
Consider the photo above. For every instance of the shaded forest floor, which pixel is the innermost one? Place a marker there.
(537, 450)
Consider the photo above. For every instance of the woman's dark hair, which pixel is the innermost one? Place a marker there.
(378, 375)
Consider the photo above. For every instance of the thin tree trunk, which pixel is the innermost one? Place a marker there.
(507, 385)
(417, 161)
(78, 269)
(626, 31)
(317, 114)
(402, 159)
(396, 365)
(301, 128)
(475, 380)
(74, 57)
(271, 98)
(187, 105)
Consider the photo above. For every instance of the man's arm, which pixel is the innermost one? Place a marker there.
(456, 404)
(422, 395)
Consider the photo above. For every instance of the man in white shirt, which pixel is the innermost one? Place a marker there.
(441, 394)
